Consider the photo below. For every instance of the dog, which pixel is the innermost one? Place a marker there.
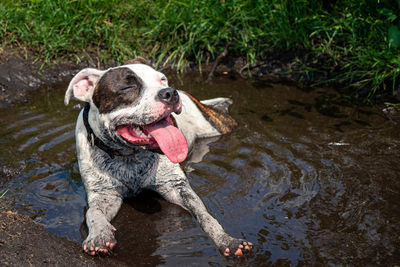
(132, 134)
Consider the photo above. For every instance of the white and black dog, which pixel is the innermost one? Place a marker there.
(132, 134)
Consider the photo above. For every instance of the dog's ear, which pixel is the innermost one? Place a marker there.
(82, 85)
(137, 60)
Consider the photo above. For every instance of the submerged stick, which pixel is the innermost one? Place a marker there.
(216, 62)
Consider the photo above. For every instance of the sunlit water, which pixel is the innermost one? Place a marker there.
(307, 177)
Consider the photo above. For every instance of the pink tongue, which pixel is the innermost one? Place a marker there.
(170, 140)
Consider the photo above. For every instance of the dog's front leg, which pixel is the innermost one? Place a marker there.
(102, 209)
(180, 192)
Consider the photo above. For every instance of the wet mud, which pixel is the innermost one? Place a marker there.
(308, 176)
(26, 243)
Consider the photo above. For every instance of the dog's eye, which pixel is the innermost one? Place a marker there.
(164, 79)
(132, 86)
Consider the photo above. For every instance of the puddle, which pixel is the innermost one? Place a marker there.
(308, 177)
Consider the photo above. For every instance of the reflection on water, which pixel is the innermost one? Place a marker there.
(307, 176)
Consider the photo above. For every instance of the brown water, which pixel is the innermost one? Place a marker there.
(308, 177)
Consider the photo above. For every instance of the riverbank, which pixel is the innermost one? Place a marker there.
(24, 242)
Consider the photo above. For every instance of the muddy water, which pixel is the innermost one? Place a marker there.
(308, 177)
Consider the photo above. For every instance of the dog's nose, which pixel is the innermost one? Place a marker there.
(169, 95)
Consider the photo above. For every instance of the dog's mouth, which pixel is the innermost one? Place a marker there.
(161, 134)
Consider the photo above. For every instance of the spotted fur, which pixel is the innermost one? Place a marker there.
(218, 119)
(117, 88)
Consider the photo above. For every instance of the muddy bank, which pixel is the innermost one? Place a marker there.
(21, 74)
(25, 242)
(18, 76)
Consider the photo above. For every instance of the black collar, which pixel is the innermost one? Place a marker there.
(93, 139)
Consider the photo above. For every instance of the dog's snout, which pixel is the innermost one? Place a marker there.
(168, 95)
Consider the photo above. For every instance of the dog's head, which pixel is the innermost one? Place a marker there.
(130, 106)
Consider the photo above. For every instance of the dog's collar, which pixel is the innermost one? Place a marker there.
(93, 139)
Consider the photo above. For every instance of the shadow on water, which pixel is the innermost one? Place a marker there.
(309, 177)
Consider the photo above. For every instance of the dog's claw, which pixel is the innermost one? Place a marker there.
(239, 252)
(226, 252)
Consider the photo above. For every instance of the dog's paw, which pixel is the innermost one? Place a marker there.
(100, 241)
(236, 247)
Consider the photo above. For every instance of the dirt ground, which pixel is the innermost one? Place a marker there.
(24, 242)
(20, 75)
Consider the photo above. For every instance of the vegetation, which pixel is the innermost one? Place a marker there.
(3, 194)
(358, 39)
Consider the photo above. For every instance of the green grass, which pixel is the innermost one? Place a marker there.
(3, 194)
(359, 40)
